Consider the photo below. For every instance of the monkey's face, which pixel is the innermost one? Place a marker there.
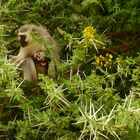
(25, 35)
(25, 39)
(22, 39)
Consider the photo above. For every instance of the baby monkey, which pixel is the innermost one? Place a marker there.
(38, 53)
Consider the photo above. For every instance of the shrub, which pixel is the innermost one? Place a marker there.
(97, 94)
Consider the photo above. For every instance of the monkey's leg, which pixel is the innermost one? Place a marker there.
(29, 70)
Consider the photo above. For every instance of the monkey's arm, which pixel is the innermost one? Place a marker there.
(29, 70)
(28, 66)
(18, 59)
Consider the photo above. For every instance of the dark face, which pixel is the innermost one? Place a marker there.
(22, 39)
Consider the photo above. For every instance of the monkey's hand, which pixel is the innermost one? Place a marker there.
(18, 59)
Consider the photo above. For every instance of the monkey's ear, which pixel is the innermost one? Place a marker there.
(34, 29)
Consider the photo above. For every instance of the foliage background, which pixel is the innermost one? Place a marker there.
(91, 100)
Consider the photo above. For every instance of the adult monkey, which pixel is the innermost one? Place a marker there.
(36, 44)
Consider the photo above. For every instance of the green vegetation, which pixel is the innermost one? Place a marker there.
(97, 96)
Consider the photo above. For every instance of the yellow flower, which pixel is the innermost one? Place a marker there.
(101, 56)
(107, 54)
(110, 56)
(101, 64)
(88, 33)
(97, 61)
(104, 47)
(106, 64)
(85, 46)
(91, 37)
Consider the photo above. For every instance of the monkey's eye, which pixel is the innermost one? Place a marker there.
(22, 40)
